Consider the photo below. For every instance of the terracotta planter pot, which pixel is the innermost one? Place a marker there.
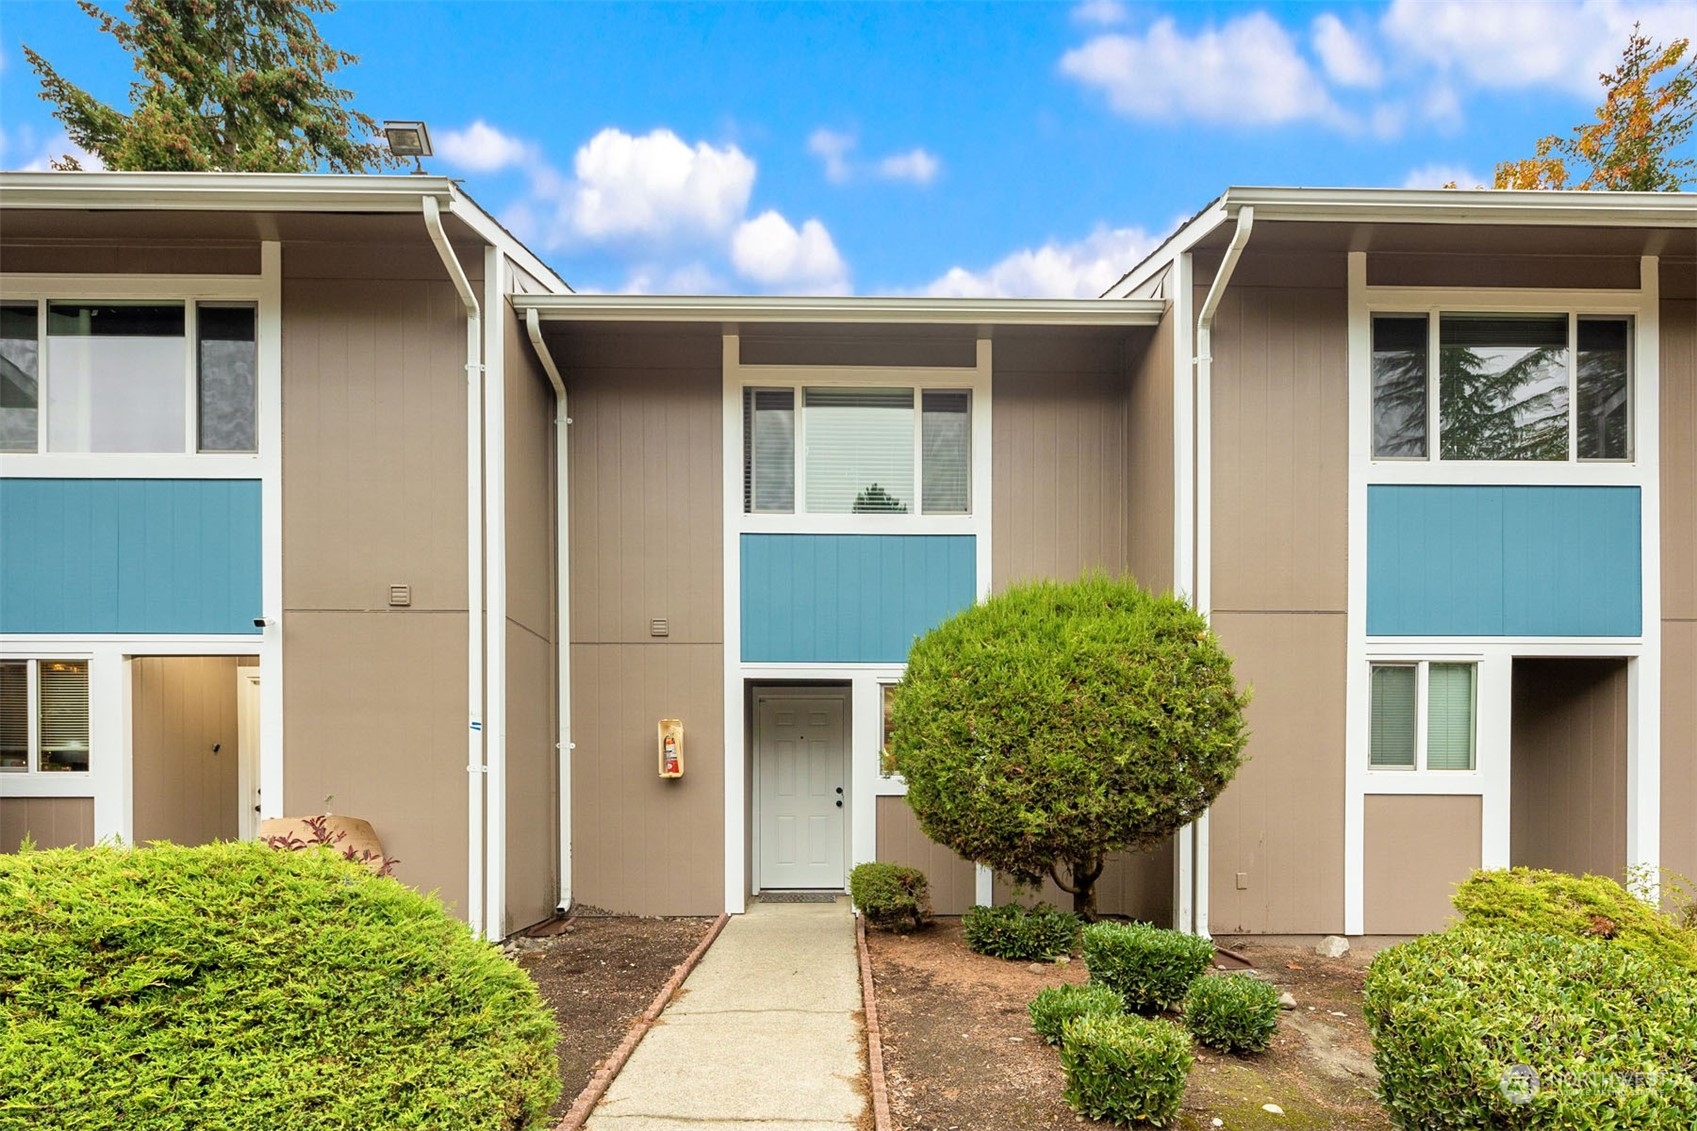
(357, 834)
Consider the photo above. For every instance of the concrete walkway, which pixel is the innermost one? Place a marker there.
(764, 1034)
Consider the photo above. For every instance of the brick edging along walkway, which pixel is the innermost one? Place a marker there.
(598, 1084)
(874, 1041)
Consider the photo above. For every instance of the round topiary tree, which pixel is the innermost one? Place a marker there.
(1057, 723)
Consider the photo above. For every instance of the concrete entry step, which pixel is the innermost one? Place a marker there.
(765, 1032)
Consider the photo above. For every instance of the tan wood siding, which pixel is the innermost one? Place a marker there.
(1058, 462)
(129, 257)
(1417, 849)
(644, 845)
(530, 483)
(532, 775)
(900, 841)
(1280, 450)
(1531, 272)
(49, 822)
(181, 707)
(646, 542)
(1568, 807)
(1280, 822)
(374, 709)
(1149, 460)
(1679, 747)
(1134, 884)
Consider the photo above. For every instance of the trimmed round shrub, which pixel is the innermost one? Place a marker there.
(233, 987)
(1056, 723)
(1492, 1028)
(1025, 934)
(1054, 1006)
(892, 896)
(1125, 1069)
(1580, 907)
(1151, 968)
(1232, 1012)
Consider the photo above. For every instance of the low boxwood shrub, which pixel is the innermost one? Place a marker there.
(1026, 934)
(233, 987)
(1125, 1069)
(1232, 1012)
(1593, 907)
(1461, 1022)
(1054, 1006)
(1149, 967)
(892, 896)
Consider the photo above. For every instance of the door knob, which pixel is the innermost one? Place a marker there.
(839, 803)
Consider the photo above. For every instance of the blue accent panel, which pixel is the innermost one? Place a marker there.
(850, 598)
(129, 555)
(1503, 561)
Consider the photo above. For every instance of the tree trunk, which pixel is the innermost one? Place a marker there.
(1083, 873)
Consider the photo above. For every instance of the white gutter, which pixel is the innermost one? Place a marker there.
(475, 769)
(563, 607)
(1204, 590)
(792, 309)
(1533, 207)
(495, 600)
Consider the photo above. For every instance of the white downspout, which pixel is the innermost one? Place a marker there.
(474, 565)
(563, 608)
(1204, 589)
(495, 602)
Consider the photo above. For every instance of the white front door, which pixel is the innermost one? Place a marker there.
(801, 752)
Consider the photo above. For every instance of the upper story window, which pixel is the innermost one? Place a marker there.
(857, 451)
(1540, 387)
(128, 376)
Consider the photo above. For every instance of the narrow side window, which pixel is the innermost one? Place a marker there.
(1399, 386)
(1393, 715)
(226, 363)
(1604, 388)
(20, 377)
(768, 451)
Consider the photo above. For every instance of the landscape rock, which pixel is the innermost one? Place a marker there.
(1287, 1000)
(1332, 946)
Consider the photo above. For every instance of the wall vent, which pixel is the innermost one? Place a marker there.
(659, 626)
(400, 596)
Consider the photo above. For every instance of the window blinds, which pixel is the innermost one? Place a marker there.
(1451, 693)
(64, 715)
(859, 456)
(947, 447)
(14, 715)
(1393, 716)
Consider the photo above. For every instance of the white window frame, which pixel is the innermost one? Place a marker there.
(798, 378)
(1433, 303)
(190, 290)
(1422, 666)
(32, 705)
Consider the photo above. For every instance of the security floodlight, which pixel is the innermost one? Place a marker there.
(408, 139)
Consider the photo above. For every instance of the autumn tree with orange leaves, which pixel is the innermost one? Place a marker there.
(1637, 142)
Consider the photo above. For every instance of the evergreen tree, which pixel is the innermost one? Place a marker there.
(226, 85)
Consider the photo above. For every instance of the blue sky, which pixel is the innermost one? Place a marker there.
(1012, 148)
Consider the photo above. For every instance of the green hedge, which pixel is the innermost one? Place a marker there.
(1232, 1012)
(892, 896)
(1149, 967)
(1025, 934)
(1125, 1069)
(1584, 907)
(1054, 1006)
(237, 988)
(1611, 1036)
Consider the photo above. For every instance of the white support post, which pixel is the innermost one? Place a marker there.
(1644, 674)
(270, 649)
(736, 816)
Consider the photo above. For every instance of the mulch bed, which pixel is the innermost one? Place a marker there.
(599, 974)
(960, 1055)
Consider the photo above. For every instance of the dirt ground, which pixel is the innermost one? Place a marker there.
(960, 1055)
(599, 975)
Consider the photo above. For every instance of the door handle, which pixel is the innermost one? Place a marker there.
(839, 797)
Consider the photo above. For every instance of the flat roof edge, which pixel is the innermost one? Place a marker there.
(1468, 206)
(242, 192)
(788, 309)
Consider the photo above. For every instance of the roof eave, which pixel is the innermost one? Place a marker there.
(1532, 207)
(797, 309)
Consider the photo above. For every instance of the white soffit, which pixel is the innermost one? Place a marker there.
(790, 309)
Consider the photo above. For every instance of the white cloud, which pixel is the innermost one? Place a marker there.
(1346, 57)
(832, 148)
(1438, 175)
(915, 165)
(654, 188)
(770, 251)
(1559, 43)
(1246, 72)
(1082, 269)
(1103, 13)
(482, 148)
(24, 151)
(685, 279)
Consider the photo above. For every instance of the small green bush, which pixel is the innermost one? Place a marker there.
(233, 987)
(1054, 1006)
(1024, 934)
(1583, 907)
(1149, 967)
(1232, 1012)
(892, 896)
(1612, 1036)
(1125, 1069)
